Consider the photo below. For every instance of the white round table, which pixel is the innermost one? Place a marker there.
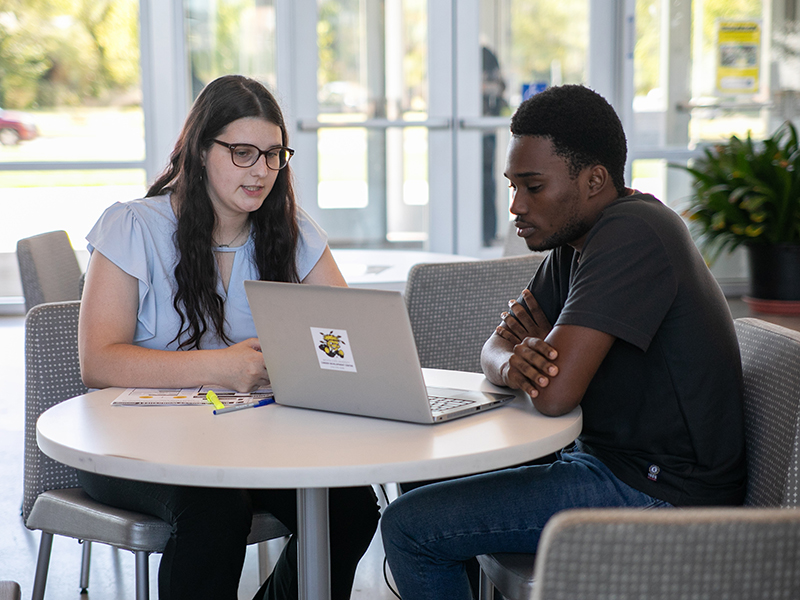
(385, 269)
(281, 447)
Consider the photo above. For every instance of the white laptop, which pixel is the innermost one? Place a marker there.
(352, 351)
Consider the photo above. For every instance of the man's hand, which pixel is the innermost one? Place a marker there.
(530, 368)
(524, 361)
(517, 324)
(521, 354)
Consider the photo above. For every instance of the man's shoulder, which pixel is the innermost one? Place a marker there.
(643, 216)
(641, 205)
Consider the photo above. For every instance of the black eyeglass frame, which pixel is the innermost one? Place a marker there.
(232, 148)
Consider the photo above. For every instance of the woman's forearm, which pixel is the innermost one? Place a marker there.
(240, 367)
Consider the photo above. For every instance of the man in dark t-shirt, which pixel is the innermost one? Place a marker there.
(623, 319)
(663, 409)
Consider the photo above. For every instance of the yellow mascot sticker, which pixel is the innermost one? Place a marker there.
(333, 349)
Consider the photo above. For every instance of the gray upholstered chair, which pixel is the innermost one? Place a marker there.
(48, 268)
(53, 501)
(9, 590)
(629, 554)
(513, 245)
(454, 307)
(771, 367)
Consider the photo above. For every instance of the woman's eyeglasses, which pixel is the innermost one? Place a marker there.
(246, 155)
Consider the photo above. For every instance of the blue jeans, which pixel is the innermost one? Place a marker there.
(431, 531)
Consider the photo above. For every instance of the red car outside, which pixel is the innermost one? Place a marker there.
(16, 127)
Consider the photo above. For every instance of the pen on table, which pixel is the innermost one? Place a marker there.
(262, 402)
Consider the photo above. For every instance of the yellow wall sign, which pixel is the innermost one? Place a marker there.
(738, 57)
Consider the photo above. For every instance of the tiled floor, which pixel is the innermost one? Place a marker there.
(112, 571)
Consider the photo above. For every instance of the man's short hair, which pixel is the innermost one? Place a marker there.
(582, 126)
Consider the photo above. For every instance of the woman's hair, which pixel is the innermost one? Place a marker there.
(274, 224)
(581, 125)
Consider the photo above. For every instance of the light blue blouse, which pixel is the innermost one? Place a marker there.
(137, 236)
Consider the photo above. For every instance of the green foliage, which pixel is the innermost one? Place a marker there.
(227, 42)
(329, 63)
(746, 193)
(67, 52)
(647, 51)
(549, 32)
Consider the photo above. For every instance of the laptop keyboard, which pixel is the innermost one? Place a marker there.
(442, 403)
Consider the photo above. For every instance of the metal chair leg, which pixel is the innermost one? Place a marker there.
(86, 559)
(42, 564)
(486, 591)
(263, 569)
(142, 575)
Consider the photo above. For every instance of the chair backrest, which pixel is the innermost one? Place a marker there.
(9, 590)
(633, 554)
(48, 268)
(771, 368)
(52, 374)
(455, 307)
(513, 245)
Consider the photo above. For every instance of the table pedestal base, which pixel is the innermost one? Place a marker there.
(313, 562)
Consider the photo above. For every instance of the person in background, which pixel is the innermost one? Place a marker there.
(493, 88)
(164, 306)
(624, 319)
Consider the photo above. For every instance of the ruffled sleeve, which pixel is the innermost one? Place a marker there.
(137, 237)
(313, 241)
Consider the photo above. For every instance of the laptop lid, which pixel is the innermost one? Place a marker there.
(347, 350)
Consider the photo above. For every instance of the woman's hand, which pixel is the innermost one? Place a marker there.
(242, 367)
(517, 324)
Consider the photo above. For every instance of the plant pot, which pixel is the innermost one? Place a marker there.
(774, 278)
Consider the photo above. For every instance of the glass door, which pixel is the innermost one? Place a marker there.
(399, 111)
(361, 101)
(507, 51)
(703, 71)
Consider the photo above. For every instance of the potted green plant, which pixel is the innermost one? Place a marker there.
(748, 193)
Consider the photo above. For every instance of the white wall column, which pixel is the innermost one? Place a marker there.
(296, 76)
(467, 104)
(165, 79)
(441, 142)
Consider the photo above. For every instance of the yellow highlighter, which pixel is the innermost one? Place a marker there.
(212, 397)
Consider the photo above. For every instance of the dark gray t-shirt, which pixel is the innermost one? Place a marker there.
(664, 411)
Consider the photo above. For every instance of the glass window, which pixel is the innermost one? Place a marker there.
(71, 87)
(558, 55)
(648, 101)
(70, 92)
(648, 176)
(230, 36)
(513, 68)
(70, 200)
(739, 76)
(704, 71)
(730, 90)
(34, 202)
(372, 64)
(727, 79)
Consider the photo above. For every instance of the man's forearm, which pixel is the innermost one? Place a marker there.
(494, 359)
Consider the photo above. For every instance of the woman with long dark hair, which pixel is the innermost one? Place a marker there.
(164, 306)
